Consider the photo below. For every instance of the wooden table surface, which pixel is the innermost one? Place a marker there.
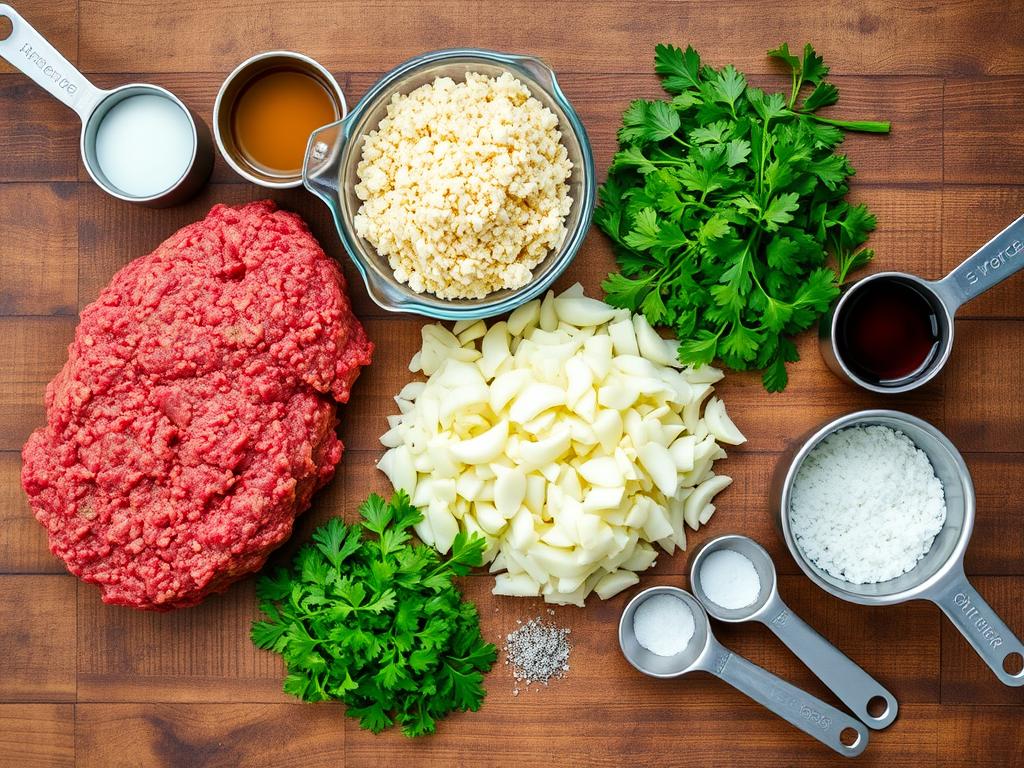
(95, 686)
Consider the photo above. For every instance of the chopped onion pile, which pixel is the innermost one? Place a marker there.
(567, 436)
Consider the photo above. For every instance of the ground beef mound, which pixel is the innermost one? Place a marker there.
(196, 414)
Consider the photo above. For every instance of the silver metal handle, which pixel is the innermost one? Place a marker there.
(28, 51)
(854, 687)
(995, 261)
(984, 630)
(797, 707)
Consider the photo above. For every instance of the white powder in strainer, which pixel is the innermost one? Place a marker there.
(866, 504)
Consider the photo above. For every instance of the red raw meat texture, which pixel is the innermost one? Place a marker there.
(195, 416)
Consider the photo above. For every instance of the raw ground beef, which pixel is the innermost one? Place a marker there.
(195, 416)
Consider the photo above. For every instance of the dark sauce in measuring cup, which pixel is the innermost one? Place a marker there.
(887, 331)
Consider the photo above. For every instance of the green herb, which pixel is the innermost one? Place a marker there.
(725, 206)
(378, 623)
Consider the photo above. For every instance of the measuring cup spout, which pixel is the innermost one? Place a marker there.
(995, 261)
(797, 707)
(854, 687)
(976, 620)
(33, 56)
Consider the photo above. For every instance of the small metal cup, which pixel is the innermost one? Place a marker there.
(30, 52)
(939, 575)
(995, 261)
(232, 88)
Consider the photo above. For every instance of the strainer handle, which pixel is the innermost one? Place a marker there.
(854, 687)
(797, 707)
(984, 630)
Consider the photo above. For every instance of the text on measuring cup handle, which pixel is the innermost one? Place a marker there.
(991, 264)
(50, 72)
(794, 704)
(976, 621)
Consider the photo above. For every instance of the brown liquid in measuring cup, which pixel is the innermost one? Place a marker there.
(887, 331)
(274, 115)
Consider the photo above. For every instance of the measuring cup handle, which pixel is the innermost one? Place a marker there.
(29, 52)
(854, 687)
(995, 261)
(984, 630)
(811, 715)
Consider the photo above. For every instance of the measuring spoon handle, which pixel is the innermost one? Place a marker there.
(984, 630)
(995, 261)
(854, 687)
(28, 51)
(808, 713)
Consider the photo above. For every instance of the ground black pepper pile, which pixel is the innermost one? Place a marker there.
(538, 652)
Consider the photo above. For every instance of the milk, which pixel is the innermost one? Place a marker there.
(144, 145)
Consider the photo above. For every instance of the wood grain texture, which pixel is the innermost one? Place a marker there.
(209, 735)
(38, 642)
(603, 36)
(39, 250)
(37, 735)
(96, 686)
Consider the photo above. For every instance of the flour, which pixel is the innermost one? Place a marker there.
(866, 505)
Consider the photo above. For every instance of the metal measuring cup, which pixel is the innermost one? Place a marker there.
(33, 55)
(854, 687)
(995, 261)
(939, 575)
(704, 653)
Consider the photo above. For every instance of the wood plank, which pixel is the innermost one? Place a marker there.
(971, 216)
(866, 38)
(632, 728)
(992, 735)
(201, 654)
(209, 735)
(37, 735)
(984, 144)
(33, 350)
(966, 679)
(38, 138)
(38, 642)
(23, 547)
(998, 538)
(985, 352)
(39, 250)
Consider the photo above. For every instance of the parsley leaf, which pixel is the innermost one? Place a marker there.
(378, 623)
(726, 209)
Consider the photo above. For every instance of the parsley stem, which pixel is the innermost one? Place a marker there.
(864, 126)
(680, 141)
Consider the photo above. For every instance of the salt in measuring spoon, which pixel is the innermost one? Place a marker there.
(833, 728)
(33, 55)
(854, 687)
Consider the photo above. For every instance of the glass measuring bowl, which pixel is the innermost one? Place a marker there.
(334, 152)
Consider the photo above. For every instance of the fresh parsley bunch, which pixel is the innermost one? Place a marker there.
(378, 623)
(725, 205)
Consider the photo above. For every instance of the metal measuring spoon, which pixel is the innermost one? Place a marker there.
(32, 54)
(995, 261)
(854, 687)
(705, 654)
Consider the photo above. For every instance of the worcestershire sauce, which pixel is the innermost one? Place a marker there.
(887, 331)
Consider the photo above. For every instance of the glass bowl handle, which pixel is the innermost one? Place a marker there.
(320, 169)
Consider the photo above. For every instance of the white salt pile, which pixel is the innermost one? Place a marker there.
(729, 579)
(866, 505)
(663, 624)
